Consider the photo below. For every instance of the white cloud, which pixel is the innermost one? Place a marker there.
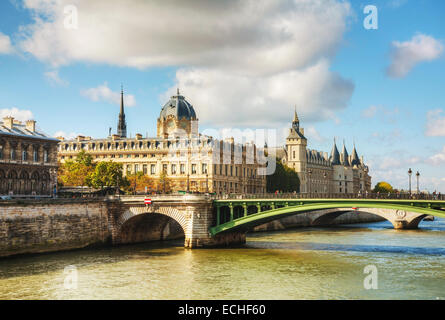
(438, 158)
(406, 55)
(104, 93)
(54, 78)
(18, 114)
(220, 97)
(5, 44)
(435, 126)
(249, 67)
(259, 36)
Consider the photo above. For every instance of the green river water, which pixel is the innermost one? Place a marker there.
(303, 263)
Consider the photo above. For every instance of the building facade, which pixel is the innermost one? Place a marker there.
(320, 172)
(191, 161)
(28, 159)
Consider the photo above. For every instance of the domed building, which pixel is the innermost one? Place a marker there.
(177, 118)
(190, 161)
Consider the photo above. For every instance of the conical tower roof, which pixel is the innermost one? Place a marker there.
(335, 155)
(355, 160)
(345, 156)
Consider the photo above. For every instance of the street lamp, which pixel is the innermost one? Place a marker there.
(417, 176)
(410, 172)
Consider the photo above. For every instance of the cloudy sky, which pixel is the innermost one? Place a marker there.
(242, 64)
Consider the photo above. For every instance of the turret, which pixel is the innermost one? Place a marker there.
(344, 156)
(335, 155)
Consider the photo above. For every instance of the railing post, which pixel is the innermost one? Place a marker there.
(231, 212)
(245, 209)
(258, 207)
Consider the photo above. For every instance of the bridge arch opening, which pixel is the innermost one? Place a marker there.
(149, 227)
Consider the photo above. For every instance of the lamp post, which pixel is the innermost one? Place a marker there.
(417, 176)
(410, 172)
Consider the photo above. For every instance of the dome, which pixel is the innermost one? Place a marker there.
(178, 107)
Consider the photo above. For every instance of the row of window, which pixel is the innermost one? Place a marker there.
(173, 168)
(25, 155)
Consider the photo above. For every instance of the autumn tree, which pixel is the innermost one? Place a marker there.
(77, 172)
(383, 187)
(164, 183)
(138, 181)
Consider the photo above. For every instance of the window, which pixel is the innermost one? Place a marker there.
(294, 154)
(204, 168)
(12, 154)
(182, 168)
(173, 168)
(129, 169)
(226, 167)
(45, 155)
(236, 171)
(231, 170)
(144, 169)
(164, 168)
(153, 169)
(35, 156)
(193, 168)
(24, 155)
(1, 152)
(136, 168)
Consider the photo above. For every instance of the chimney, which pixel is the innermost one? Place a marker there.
(138, 136)
(31, 125)
(8, 122)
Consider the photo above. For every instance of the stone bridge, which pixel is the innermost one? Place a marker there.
(207, 222)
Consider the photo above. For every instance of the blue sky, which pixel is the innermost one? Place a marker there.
(324, 61)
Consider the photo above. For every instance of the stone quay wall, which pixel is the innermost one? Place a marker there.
(52, 225)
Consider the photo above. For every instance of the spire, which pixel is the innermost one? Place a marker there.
(344, 155)
(296, 121)
(295, 115)
(335, 155)
(122, 125)
(355, 158)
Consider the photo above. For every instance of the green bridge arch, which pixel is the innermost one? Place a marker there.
(281, 208)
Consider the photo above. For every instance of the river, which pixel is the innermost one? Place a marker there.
(302, 263)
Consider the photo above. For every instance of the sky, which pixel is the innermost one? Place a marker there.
(375, 78)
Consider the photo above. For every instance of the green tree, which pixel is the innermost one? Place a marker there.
(383, 187)
(284, 179)
(108, 174)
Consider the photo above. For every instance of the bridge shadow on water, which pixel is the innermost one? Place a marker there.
(383, 229)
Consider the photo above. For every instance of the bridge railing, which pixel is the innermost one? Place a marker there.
(396, 196)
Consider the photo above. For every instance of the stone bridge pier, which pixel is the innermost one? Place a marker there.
(193, 214)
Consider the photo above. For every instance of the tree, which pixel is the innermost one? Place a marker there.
(284, 179)
(77, 172)
(383, 187)
(164, 183)
(138, 181)
(108, 174)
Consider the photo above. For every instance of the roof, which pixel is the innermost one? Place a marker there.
(335, 155)
(20, 130)
(178, 107)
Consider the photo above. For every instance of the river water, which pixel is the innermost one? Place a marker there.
(303, 263)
